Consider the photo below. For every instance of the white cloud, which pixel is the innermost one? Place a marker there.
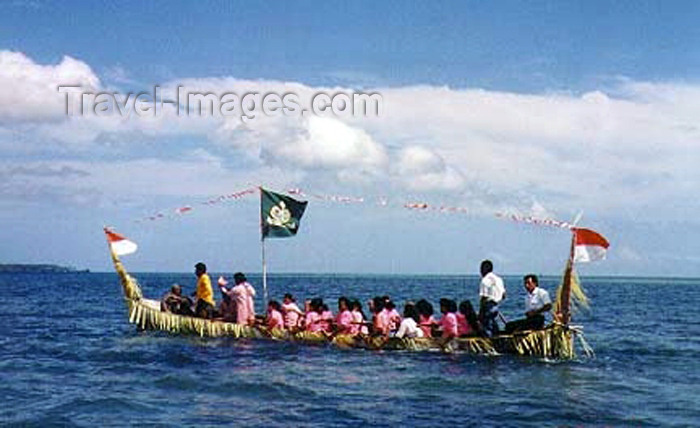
(422, 169)
(632, 146)
(29, 91)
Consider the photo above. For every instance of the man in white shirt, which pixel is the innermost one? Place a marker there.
(491, 292)
(537, 304)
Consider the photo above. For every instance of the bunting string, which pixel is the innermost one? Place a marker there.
(185, 209)
(537, 221)
(418, 206)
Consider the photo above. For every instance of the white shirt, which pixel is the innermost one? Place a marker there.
(492, 287)
(409, 328)
(537, 299)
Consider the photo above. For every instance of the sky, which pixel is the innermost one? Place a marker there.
(544, 109)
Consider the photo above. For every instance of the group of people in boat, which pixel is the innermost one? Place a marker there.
(417, 320)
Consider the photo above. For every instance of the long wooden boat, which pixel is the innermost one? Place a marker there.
(556, 341)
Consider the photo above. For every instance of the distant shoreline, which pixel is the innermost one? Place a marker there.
(39, 268)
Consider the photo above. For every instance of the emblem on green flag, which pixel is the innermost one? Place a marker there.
(280, 214)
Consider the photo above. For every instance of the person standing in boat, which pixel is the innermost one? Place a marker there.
(537, 304)
(204, 292)
(492, 291)
(243, 294)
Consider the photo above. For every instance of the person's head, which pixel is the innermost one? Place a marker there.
(288, 298)
(377, 304)
(239, 278)
(316, 304)
(466, 308)
(447, 305)
(343, 304)
(355, 305)
(486, 267)
(200, 269)
(274, 304)
(324, 308)
(409, 311)
(389, 304)
(176, 289)
(424, 308)
(530, 282)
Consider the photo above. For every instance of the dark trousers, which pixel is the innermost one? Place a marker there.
(535, 322)
(204, 309)
(489, 318)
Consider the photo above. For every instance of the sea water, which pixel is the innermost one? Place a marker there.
(68, 357)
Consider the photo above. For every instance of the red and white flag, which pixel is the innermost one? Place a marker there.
(119, 244)
(589, 245)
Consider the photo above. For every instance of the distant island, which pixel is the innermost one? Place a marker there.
(38, 268)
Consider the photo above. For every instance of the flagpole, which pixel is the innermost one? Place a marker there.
(262, 250)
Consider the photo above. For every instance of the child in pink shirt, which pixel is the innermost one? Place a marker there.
(426, 321)
(326, 319)
(468, 323)
(449, 318)
(358, 319)
(391, 315)
(344, 319)
(313, 322)
(274, 315)
(380, 319)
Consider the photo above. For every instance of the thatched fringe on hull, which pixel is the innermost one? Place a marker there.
(554, 342)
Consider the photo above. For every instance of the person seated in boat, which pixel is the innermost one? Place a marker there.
(537, 304)
(274, 315)
(448, 322)
(409, 325)
(467, 320)
(227, 307)
(205, 295)
(359, 323)
(174, 302)
(291, 312)
(426, 321)
(326, 319)
(492, 291)
(344, 319)
(312, 321)
(242, 294)
(380, 320)
(391, 315)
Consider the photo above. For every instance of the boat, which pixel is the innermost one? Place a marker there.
(555, 341)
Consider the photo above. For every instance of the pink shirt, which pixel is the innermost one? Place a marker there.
(394, 319)
(274, 319)
(291, 314)
(312, 322)
(463, 327)
(327, 321)
(243, 294)
(381, 322)
(449, 325)
(426, 325)
(344, 322)
(357, 326)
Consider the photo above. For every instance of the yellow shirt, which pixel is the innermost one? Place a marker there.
(204, 290)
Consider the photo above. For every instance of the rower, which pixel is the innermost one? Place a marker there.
(537, 304)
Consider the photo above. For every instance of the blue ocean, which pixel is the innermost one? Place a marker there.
(68, 357)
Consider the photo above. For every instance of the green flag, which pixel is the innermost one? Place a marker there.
(280, 214)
